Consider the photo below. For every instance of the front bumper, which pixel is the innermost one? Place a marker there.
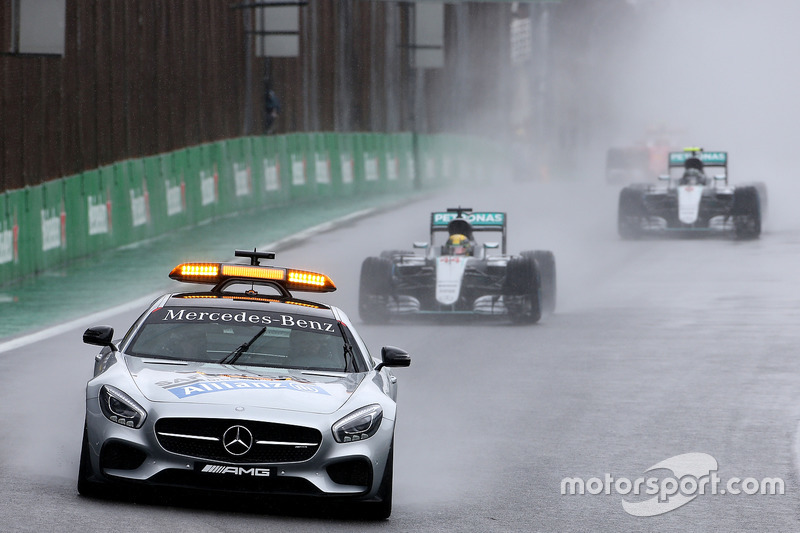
(120, 454)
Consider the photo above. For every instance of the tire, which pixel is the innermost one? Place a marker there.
(762, 199)
(375, 290)
(87, 486)
(746, 213)
(546, 263)
(383, 509)
(630, 213)
(521, 290)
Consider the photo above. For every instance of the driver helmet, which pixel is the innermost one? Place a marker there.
(693, 176)
(458, 244)
(693, 162)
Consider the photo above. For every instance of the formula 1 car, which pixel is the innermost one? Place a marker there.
(688, 201)
(243, 388)
(460, 277)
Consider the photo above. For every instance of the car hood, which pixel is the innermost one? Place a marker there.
(293, 390)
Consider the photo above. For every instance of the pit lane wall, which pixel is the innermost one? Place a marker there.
(50, 224)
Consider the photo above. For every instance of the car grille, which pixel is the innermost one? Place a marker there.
(193, 480)
(271, 443)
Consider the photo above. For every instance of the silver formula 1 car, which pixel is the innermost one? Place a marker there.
(687, 201)
(243, 388)
(462, 277)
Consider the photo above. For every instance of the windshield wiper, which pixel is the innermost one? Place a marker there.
(348, 351)
(234, 355)
(349, 356)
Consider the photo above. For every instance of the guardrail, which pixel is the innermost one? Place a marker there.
(47, 225)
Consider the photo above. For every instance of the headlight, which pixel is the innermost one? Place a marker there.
(121, 408)
(358, 425)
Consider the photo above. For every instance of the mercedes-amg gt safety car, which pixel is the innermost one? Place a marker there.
(687, 201)
(243, 388)
(459, 277)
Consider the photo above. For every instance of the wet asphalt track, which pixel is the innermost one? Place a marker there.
(658, 348)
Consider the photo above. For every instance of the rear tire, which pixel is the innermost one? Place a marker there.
(375, 290)
(746, 212)
(521, 290)
(546, 263)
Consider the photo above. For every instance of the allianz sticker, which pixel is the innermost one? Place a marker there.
(199, 384)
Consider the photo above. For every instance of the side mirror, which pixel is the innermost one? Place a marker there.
(721, 177)
(423, 245)
(491, 245)
(100, 336)
(663, 177)
(392, 356)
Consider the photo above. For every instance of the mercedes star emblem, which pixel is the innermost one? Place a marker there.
(237, 440)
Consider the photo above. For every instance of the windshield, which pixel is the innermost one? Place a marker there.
(222, 335)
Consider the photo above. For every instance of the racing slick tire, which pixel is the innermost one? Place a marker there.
(762, 198)
(546, 263)
(86, 485)
(630, 213)
(374, 290)
(521, 290)
(746, 213)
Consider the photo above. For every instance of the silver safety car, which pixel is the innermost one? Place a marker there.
(243, 388)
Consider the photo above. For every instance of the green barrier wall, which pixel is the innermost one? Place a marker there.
(42, 227)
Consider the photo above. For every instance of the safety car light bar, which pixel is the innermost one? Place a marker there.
(288, 279)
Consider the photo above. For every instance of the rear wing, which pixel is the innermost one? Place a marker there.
(478, 221)
(709, 159)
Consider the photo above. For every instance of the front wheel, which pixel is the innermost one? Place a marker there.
(630, 213)
(746, 212)
(383, 509)
(86, 485)
(522, 290)
(546, 263)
